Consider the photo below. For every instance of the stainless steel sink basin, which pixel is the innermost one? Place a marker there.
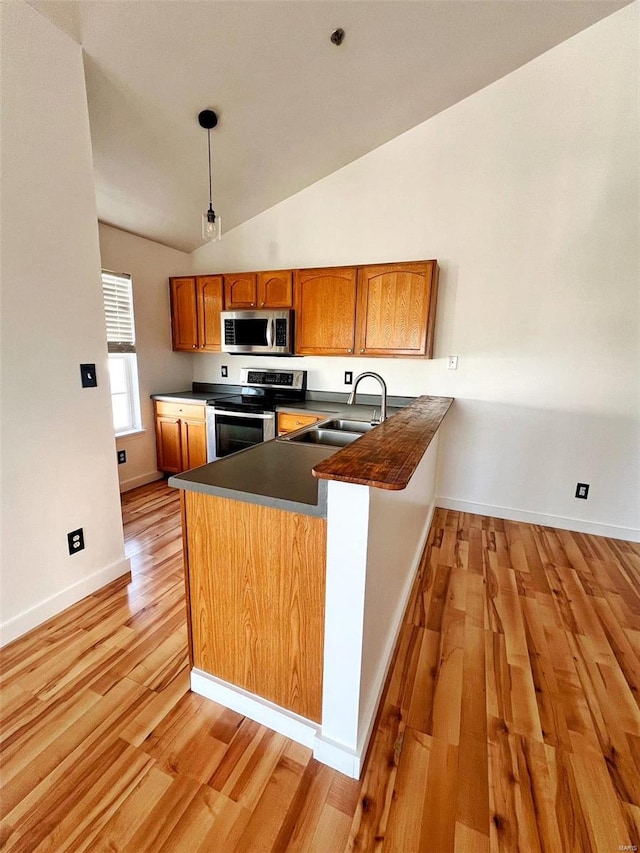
(348, 425)
(320, 435)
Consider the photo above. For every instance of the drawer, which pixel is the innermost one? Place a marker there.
(288, 422)
(180, 410)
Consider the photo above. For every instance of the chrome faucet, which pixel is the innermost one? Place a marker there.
(383, 394)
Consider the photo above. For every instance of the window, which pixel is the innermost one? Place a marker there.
(121, 341)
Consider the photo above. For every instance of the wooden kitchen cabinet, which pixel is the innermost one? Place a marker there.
(240, 290)
(196, 303)
(184, 313)
(325, 303)
(290, 421)
(181, 436)
(275, 289)
(395, 314)
(272, 289)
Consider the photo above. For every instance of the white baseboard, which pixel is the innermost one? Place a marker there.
(286, 723)
(142, 480)
(578, 525)
(255, 707)
(50, 607)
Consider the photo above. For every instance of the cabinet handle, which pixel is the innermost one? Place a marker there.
(253, 304)
(362, 350)
(350, 350)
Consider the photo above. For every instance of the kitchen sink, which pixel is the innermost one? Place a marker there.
(348, 425)
(320, 435)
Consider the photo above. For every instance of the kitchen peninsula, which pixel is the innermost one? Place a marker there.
(300, 558)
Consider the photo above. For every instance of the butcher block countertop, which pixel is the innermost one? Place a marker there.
(386, 457)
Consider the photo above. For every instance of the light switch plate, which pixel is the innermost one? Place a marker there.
(88, 375)
(453, 362)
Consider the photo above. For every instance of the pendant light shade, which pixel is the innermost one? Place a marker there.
(211, 222)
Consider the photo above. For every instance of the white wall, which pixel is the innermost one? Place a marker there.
(58, 449)
(527, 194)
(159, 368)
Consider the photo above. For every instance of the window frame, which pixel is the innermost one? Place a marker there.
(117, 293)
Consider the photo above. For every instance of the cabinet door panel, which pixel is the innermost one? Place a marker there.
(393, 309)
(210, 295)
(240, 290)
(169, 445)
(184, 324)
(194, 444)
(325, 303)
(275, 289)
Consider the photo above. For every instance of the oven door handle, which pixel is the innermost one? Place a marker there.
(270, 325)
(255, 416)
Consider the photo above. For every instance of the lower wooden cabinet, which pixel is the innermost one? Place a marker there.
(181, 436)
(290, 421)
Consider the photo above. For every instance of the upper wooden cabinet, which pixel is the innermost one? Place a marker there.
(374, 310)
(184, 317)
(396, 309)
(325, 303)
(196, 302)
(275, 289)
(259, 290)
(240, 290)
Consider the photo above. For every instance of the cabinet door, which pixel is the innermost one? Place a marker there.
(194, 443)
(325, 303)
(275, 289)
(169, 444)
(240, 290)
(184, 323)
(209, 290)
(396, 309)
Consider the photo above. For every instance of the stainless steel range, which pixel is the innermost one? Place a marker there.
(242, 420)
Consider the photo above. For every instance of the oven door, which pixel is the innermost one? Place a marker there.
(228, 432)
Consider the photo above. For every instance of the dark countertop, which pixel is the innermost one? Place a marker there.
(273, 473)
(293, 476)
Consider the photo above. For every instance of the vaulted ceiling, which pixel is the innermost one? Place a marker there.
(292, 106)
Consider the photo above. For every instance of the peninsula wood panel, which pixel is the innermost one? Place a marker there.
(325, 303)
(210, 297)
(257, 581)
(394, 308)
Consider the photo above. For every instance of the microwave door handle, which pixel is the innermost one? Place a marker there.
(270, 325)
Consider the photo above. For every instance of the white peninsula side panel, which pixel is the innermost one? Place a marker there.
(375, 538)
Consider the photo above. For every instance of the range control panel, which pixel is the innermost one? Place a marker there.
(289, 379)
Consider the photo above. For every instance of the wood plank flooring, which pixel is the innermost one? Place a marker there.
(510, 720)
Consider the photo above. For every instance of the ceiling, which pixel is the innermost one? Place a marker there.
(292, 106)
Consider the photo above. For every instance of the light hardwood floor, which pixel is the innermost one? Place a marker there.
(510, 720)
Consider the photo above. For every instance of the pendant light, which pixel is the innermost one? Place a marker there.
(211, 223)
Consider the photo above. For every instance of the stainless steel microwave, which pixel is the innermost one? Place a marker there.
(257, 332)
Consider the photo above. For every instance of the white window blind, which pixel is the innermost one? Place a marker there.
(118, 309)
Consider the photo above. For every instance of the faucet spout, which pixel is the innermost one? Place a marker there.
(383, 394)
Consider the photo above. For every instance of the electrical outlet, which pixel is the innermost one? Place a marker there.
(453, 362)
(348, 377)
(75, 540)
(224, 372)
(122, 457)
(582, 490)
(88, 375)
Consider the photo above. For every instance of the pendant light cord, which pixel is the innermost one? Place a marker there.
(209, 147)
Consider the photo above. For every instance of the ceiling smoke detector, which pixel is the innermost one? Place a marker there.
(337, 36)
